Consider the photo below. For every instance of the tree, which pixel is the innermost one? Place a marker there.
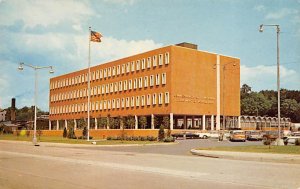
(143, 122)
(130, 121)
(103, 122)
(246, 89)
(81, 123)
(161, 133)
(84, 133)
(65, 133)
(166, 122)
(290, 108)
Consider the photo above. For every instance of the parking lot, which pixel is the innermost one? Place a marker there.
(180, 147)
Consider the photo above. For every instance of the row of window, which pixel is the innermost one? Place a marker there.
(114, 71)
(131, 84)
(119, 103)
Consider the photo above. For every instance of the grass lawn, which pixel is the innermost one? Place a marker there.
(257, 149)
(55, 139)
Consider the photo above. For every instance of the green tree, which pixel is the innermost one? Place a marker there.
(103, 122)
(290, 108)
(130, 121)
(143, 122)
(161, 133)
(65, 133)
(81, 123)
(166, 122)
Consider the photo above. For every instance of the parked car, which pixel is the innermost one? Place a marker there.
(253, 135)
(290, 139)
(186, 134)
(237, 135)
(214, 134)
(296, 133)
(203, 135)
(270, 135)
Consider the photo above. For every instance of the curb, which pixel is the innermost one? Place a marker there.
(247, 156)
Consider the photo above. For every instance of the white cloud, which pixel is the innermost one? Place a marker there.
(265, 77)
(281, 14)
(122, 2)
(44, 13)
(260, 8)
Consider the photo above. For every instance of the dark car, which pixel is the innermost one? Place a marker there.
(185, 134)
(271, 135)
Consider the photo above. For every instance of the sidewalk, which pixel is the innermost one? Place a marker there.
(247, 156)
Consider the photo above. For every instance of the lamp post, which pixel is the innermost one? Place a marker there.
(36, 68)
(261, 29)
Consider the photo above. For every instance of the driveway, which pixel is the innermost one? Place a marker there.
(181, 147)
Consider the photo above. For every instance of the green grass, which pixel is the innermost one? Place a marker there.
(257, 149)
(55, 139)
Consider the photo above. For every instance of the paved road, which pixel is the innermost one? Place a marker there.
(25, 166)
(182, 147)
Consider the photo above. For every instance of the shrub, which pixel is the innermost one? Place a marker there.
(161, 133)
(267, 142)
(151, 138)
(297, 142)
(143, 138)
(84, 137)
(109, 138)
(71, 133)
(169, 139)
(65, 133)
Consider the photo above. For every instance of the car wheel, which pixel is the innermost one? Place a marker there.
(205, 137)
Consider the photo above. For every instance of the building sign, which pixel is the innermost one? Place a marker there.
(194, 99)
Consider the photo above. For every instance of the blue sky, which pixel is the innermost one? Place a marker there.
(52, 32)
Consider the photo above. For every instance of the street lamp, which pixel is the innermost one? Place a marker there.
(261, 29)
(21, 67)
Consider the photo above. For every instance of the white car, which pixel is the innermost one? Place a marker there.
(203, 135)
(290, 139)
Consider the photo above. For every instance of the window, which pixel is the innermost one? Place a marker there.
(79, 78)
(167, 58)
(101, 74)
(154, 61)
(151, 80)
(80, 94)
(154, 99)
(130, 84)
(146, 81)
(109, 72)
(105, 73)
(116, 86)
(135, 83)
(118, 103)
(160, 60)
(113, 104)
(132, 101)
(95, 90)
(167, 98)
(101, 105)
(137, 65)
(123, 102)
(143, 100)
(137, 101)
(140, 82)
(163, 78)
(120, 86)
(114, 71)
(160, 96)
(149, 62)
(157, 79)
(148, 100)
(97, 74)
(104, 105)
(93, 76)
(132, 66)
(127, 102)
(143, 63)
(103, 89)
(97, 106)
(108, 104)
(82, 79)
(118, 69)
(125, 85)
(123, 68)
(128, 67)
(93, 106)
(99, 90)
(107, 88)
(111, 87)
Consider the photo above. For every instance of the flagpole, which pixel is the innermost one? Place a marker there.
(89, 86)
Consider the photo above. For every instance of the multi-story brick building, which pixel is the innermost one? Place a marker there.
(195, 89)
